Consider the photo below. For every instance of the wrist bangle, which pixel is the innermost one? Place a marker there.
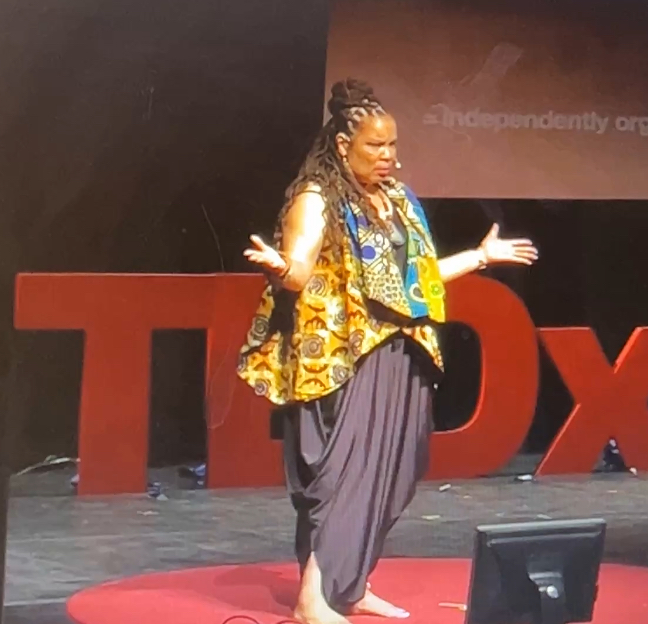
(482, 262)
(284, 272)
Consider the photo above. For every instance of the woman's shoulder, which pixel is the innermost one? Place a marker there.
(311, 188)
(308, 204)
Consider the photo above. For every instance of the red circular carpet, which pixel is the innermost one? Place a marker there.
(433, 590)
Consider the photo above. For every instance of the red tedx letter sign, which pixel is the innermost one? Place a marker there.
(240, 451)
(509, 380)
(118, 314)
(610, 401)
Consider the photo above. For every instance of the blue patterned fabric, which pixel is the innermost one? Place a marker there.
(419, 293)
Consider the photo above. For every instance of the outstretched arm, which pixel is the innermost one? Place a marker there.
(492, 249)
(461, 263)
(302, 235)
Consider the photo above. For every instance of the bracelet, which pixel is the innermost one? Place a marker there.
(284, 273)
(286, 270)
(482, 262)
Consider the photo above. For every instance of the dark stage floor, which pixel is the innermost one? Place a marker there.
(60, 544)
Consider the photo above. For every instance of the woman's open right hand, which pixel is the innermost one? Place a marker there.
(265, 256)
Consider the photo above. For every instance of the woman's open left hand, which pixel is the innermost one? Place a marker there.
(514, 250)
(264, 255)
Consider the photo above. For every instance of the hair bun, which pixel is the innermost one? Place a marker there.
(350, 93)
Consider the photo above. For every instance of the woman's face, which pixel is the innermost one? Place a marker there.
(371, 152)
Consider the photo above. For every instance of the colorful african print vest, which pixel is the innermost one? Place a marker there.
(302, 346)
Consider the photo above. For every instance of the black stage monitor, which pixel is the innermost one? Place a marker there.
(536, 572)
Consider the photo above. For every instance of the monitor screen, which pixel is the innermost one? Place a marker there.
(536, 573)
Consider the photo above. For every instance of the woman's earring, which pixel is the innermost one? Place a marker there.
(398, 165)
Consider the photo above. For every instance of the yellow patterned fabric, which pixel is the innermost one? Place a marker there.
(327, 327)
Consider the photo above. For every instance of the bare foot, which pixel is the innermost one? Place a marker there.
(318, 614)
(312, 607)
(370, 604)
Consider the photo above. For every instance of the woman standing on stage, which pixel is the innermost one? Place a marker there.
(344, 343)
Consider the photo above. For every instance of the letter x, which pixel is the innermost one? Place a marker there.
(610, 401)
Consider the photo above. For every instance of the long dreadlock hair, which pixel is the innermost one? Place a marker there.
(350, 102)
